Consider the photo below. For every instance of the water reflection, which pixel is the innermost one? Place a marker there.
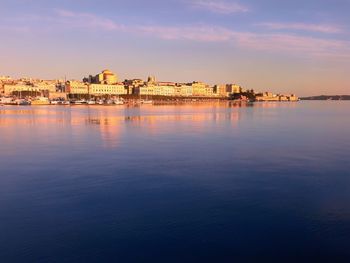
(226, 178)
(114, 122)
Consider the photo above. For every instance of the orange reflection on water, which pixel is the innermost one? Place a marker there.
(114, 122)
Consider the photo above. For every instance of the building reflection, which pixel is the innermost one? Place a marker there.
(113, 123)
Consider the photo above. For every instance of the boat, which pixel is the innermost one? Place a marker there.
(118, 101)
(146, 101)
(22, 102)
(79, 102)
(40, 101)
(109, 102)
(56, 102)
(7, 101)
(91, 102)
(59, 101)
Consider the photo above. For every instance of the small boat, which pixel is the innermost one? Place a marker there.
(118, 102)
(40, 101)
(59, 101)
(22, 102)
(109, 102)
(146, 101)
(91, 102)
(55, 102)
(7, 101)
(79, 102)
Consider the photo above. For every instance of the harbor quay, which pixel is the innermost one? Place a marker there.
(105, 88)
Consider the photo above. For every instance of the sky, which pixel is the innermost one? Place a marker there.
(300, 47)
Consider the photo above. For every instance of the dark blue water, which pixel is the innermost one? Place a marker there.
(190, 183)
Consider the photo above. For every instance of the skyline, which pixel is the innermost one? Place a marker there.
(290, 47)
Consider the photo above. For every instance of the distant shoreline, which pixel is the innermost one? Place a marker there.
(327, 97)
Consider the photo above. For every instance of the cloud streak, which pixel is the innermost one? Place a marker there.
(284, 43)
(220, 7)
(320, 28)
(86, 20)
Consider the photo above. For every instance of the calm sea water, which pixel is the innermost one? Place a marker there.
(175, 183)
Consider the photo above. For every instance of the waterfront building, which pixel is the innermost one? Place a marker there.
(77, 87)
(49, 86)
(200, 89)
(145, 90)
(164, 89)
(5, 78)
(104, 89)
(151, 80)
(184, 90)
(170, 89)
(10, 89)
(269, 96)
(133, 85)
(221, 91)
(105, 77)
(98, 86)
(293, 97)
(233, 89)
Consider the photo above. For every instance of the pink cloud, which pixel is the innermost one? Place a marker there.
(200, 33)
(221, 7)
(268, 42)
(87, 20)
(321, 28)
(294, 44)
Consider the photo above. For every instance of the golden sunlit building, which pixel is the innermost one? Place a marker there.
(233, 89)
(158, 89)
(77, 87)
(10, 89)
(221, 91)
(200, 89)
(105, 77)
(133, 85)
(268, 96)
(164, 90)
(184, 90)
(104, 89)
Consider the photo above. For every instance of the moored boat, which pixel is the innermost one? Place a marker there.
(40, 101)
(146, 101)
(79, 102)
(118, 101)
(22, 102)
(7, 101)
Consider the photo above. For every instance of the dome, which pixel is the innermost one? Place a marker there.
(107, 72)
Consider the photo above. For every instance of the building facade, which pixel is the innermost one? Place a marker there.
(105, 89)
(105, 77)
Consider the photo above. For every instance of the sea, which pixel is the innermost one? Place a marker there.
(197, 182)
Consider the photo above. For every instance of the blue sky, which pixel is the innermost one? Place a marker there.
(283, 46)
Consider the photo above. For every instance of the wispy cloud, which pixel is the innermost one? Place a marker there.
(284, 43)
(294, 44)
(269, 42)
(221, 7)
(321, 28)
(202, 33)
(87, 20)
